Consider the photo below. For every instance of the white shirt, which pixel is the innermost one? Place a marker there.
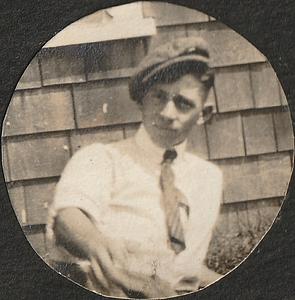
(117, 186)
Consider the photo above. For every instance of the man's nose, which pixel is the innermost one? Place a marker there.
(169, 111)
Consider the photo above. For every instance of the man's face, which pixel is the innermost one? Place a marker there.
(171, 109)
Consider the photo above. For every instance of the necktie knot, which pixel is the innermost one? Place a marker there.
(169, 155)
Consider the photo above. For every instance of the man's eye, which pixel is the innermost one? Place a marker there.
(183, 104)
(160, 95)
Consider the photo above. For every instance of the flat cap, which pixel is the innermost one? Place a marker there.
(171, 60)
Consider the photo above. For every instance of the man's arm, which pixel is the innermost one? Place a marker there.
(76, 233)
(208, 276)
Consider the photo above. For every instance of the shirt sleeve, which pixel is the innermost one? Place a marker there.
(215, 199)
(85, 183)
(208, 218)
(205, 217)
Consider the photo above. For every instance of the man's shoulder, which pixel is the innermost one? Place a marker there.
(101, 150)
(198, 164)
(91, 150)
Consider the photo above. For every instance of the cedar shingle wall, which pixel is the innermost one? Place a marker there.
(72, 96)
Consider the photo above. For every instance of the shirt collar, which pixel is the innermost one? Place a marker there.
(153, 151)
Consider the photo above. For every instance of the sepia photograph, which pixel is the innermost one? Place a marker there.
(147, 150)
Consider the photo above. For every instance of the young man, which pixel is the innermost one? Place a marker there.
(140, 212)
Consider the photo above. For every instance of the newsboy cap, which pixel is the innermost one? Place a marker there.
(169, 62)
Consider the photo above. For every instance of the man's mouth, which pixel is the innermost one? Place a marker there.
(166, 128)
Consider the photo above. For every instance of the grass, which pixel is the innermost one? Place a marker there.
(228, 250)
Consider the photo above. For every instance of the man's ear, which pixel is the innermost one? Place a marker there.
(206, 114)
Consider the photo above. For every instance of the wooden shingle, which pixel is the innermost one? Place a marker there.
(17, 199)
(284, 130)
(96, 105)
(40, 110)
(274, 172)
(227, 47)
(251, 179)
(38, 196)
(284, 100)
(169, 14)
(104, 135)
(31, 76)
(37, 157)
(197, 141)
(5, 165)
(130, 129)
(17, 97)
(239, 180)
(225, 137)
(59, 66)
(233, 89)
(241, 218)
(259, 133)
(110, 74)
(114, 59)
(265, 85)
(37, 241)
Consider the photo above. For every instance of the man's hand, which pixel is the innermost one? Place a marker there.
(109, 259)
(110, 271)
(79, 236)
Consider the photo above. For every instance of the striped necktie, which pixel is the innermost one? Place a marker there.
(172, 200)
